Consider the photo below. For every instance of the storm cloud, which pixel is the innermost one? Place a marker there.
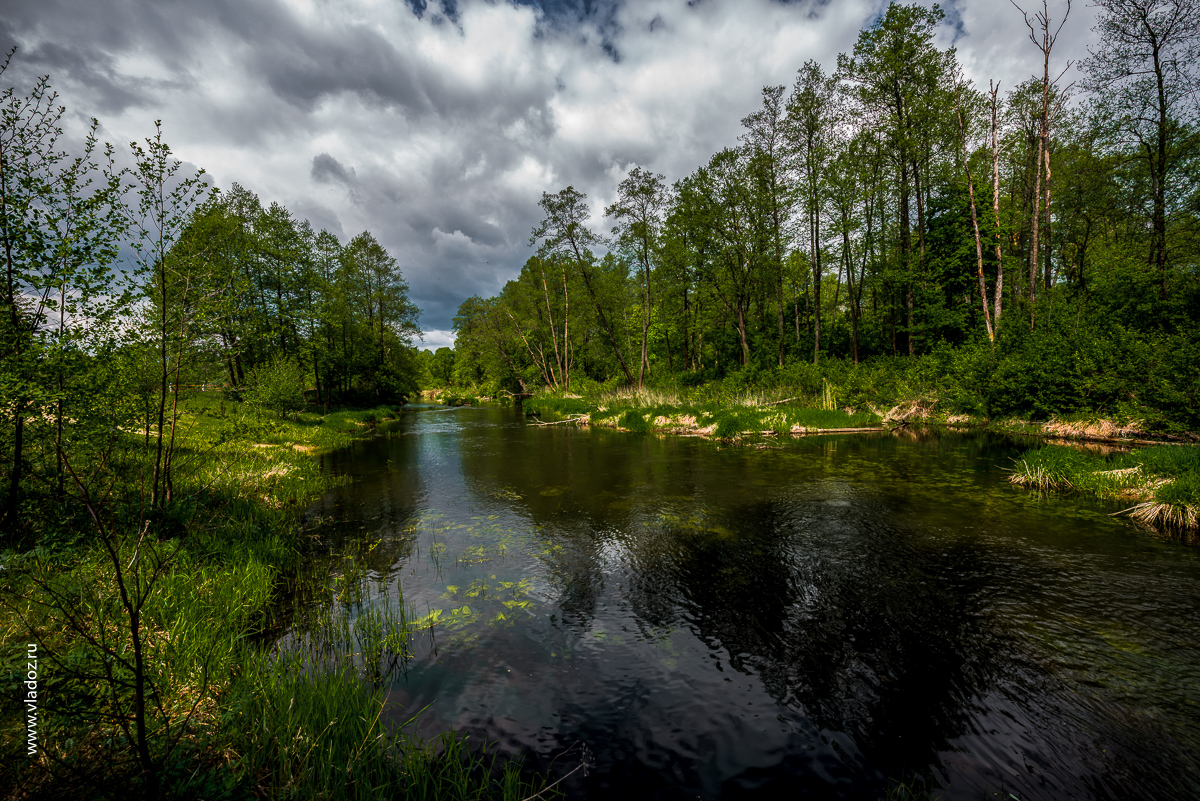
(437, 126)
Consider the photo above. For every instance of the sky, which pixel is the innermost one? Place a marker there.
(437, 126)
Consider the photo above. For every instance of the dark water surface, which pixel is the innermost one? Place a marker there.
(815, 619)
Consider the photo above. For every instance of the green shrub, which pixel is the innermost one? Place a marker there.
(634, 421)
(276, 387)
(730, 425)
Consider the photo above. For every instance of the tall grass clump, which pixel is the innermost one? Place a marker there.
(312, 729)
(634, 421)
(1165, 479)
(1053, 467)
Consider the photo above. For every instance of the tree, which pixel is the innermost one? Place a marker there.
(1044, 40)
(811, 118)
(60, 221)
(638, 214)
(723, 200)
(898, 73)
(563, 232)
(966, 162)
(163, 211)
(766, 133)
(378, 289)
(1144, 72)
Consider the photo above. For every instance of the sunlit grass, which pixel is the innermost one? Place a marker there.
(729, 418)
(1163, 479)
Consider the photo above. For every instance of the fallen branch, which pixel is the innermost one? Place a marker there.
(575, 418)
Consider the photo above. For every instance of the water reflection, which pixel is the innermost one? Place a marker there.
(719, 622)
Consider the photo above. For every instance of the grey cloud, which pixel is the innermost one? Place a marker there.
(326, 169)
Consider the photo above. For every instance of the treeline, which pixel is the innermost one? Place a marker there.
(890, 209)
(123, 287)
(277, 291)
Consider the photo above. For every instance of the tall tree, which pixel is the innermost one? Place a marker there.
(60, 220)
(164, 209)
(1042, 38)
(638, 214)
(563, 231)
(1145, 72)
(897, 72)
(766, 134)
(811, 117)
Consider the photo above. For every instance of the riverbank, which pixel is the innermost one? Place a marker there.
(202, 709)
(649, 410)
(733, 416)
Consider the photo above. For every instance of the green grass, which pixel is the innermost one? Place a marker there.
(1163, 480)
(724, 417)
(551, 405)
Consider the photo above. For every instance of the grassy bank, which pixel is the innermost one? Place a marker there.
(700, 413)
(964, 388)
(155, 674)
(1160, 485)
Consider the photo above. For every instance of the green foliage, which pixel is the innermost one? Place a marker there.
(729, 425)
(1166, 474)
(276, 387)
(634, 421)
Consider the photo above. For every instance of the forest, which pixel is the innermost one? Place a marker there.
(1025, 252)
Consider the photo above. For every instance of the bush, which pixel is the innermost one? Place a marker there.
(276, 387)
(633, 421)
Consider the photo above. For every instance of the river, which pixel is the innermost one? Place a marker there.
(818, 616)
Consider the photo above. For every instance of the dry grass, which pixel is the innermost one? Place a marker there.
(1164, 515)
(633, 396)
(1098, 429)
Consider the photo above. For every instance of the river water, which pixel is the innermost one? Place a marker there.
(822, 616)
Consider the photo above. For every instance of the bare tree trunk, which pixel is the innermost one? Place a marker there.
(550, 317)
(1047, 273)
(815, 235)
(996, 210)
(741, 320)
(983, 296)
(645, 322)
(1045, 46)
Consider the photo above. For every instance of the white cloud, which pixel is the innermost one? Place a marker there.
(433, 339)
